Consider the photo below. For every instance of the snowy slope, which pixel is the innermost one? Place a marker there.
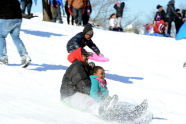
(140, 67)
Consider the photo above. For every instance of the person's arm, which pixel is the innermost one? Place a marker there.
(73, 43)
(81, 79)
(122, 5)
(115, 6)
(92, 46)
(173, 11)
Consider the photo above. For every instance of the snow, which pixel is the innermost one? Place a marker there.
(140, 67)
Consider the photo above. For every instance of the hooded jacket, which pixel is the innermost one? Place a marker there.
(76, 77)
(78, 41)
(98, 90)
(10, 9)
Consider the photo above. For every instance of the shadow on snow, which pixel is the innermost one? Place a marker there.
(40, 33)
(115, 77)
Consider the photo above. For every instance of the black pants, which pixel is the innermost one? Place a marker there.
(26, 4)
(86, 18)
(68, 16)
(169, 26)
(178, 26)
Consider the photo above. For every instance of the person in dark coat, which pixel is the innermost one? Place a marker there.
(119, 7)
(76, 78)
(26, 4)
(69, 14)
(10, 23)
(171, 15)
(160, 14)
(86, 12)
(83, 39)
(178, 20)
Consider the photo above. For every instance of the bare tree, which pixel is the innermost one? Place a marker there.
(47, 15)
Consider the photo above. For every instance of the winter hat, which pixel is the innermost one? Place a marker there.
(88, 29)
(158, 6)
(75, 55)
(177, 10)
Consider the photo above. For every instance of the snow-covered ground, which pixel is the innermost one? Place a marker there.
(140, 67)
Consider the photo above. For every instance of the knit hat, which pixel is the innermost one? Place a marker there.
(177, 10)
(158, 6)
(88, 29)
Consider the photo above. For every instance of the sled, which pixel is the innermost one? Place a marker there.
(98, 58)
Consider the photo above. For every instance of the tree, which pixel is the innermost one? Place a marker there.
(47, 14)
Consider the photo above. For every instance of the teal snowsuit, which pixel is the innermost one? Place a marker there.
(98, 90)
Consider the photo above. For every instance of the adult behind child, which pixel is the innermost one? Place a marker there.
(10, 22)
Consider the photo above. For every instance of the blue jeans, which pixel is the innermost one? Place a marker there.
(11, 26)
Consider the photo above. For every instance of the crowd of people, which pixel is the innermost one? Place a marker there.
(163, 20)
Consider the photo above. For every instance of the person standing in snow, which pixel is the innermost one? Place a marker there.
(10, 22)
(83, 39)
(26, 4)
(119, 7)
(56, 10)
(178, 20)
(69, 15)
(77, 8)
(171, 15)
(86, 12)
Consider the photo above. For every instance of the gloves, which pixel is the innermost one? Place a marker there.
(70, 11)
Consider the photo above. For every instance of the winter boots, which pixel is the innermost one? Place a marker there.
(25, 61)
(3, 60)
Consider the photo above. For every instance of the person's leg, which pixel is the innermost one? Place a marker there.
(23, 6)
(15, 36)
(119, 22)
(79, 17)
(83, 102)
(4, 30)
(29, 7)
(59, 17)
(54, 13)
(68, 15)
(72, 20)
(75, 13)
(169, 27)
